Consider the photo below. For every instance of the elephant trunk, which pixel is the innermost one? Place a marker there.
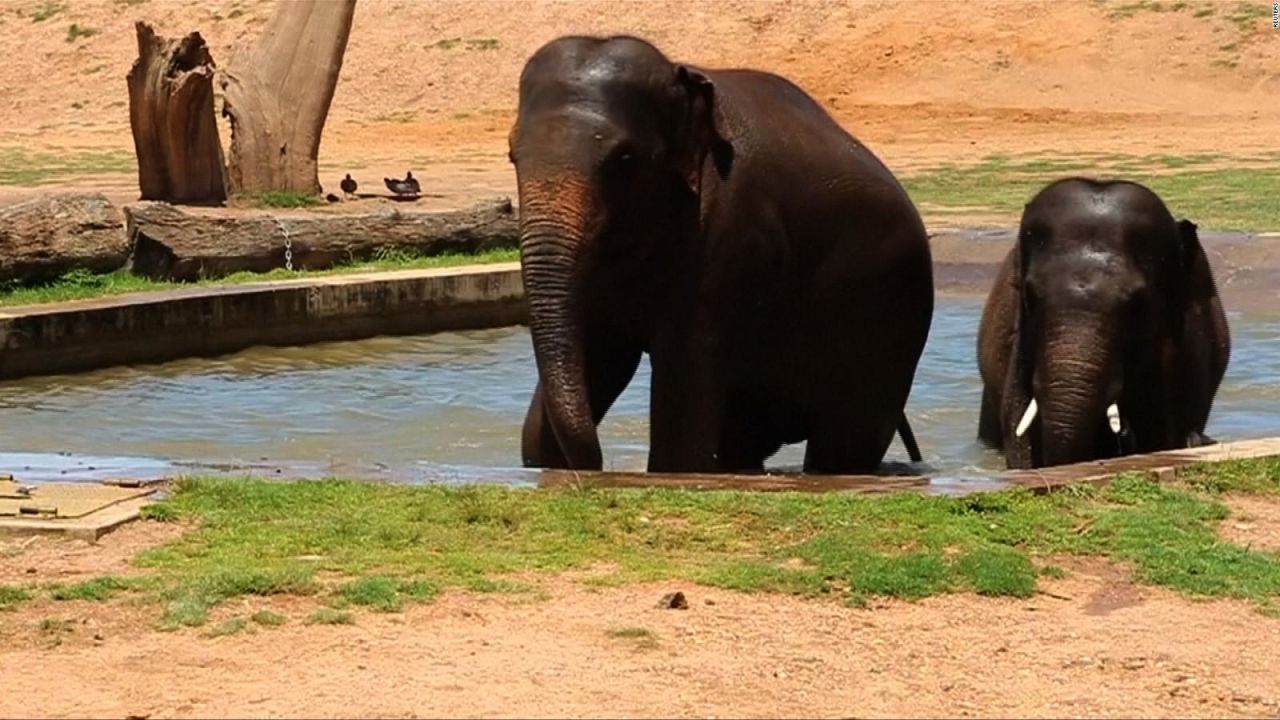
(1075, 390)
(553, 220)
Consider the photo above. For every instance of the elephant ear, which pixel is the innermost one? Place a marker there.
(703, 128)
(1192, 277)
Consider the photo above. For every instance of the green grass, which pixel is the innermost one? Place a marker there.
(283, 199)
(330, 616)
(1253, 477)
(1130, 9)
(75, 32)
(11, 597)
(81, 284)
(230, 626)
(267, 618)
(399, 116)
(643, 638)
(1193, 186)
(386, 594)
(629, 632)
(21, 167)
(397, 544)
(47, 10)
(99, 589)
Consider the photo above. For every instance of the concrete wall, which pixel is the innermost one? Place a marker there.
(155, 327)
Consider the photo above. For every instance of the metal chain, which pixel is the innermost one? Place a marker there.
(288, 246)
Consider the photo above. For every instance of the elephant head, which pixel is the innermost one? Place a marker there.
(1102, 273)
(609, 146)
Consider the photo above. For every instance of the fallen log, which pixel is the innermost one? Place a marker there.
(171, 244)
(44, 238)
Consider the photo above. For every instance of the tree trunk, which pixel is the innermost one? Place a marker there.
(277, 96)
(175, 245)
(175, 132)
(42, 239)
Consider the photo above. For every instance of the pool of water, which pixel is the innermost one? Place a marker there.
(448, 408)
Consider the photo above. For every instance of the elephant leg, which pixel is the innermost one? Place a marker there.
(686, 405)
(990, 430)
(609, 370)
(852, 437)
(748, 438)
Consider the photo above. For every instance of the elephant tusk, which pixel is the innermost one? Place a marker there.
(1027, 417)
(1113, 417)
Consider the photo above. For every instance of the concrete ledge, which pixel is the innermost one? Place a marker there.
(1163, 465)
(201, 322)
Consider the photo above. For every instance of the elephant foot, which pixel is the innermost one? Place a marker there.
(1197, 439)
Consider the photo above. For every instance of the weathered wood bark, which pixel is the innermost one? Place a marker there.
(43, 238)
(171, 244)
(175, 131)
(277, 96)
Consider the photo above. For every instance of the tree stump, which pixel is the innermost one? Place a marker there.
(175, 131)
(169, 244)
(44, 238)
(277, 96)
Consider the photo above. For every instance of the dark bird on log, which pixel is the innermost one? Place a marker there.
(407, 186)
(348, 185)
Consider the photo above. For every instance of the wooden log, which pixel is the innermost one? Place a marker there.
(42, 239)
(171, 244)
(277, 95)
(175, 131)
(752, 483)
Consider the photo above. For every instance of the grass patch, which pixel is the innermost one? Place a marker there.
(75, 32)
(1249, 477)
(644, 638)
(399, 116)
(24, 168)
(231, 626)
(267, 618)
(192, 595)
(629, 632)
(1239, 198)
(330, 616)
(81, 284)
(485, 585)
(158, 512)
(55, 630)
(386, 594)
(1245, 15)
(99, 589)
(283, 199)
(11, 597)
(47, 10)
(248, 534)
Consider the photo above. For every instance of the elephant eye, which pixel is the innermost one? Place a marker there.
(621, 160)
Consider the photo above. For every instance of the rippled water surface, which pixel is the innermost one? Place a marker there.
(449, 407)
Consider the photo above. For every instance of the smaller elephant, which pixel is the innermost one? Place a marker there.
(1104, 334)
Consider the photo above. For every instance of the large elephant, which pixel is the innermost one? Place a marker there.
(1104, 334)
(774, 270)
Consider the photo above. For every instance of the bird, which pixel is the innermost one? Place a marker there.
(348, 185)
(408, 186)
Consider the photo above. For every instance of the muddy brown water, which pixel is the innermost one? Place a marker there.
(448, 408)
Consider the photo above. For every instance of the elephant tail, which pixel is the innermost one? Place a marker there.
(909, 439)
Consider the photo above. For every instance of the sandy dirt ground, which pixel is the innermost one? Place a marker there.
(431, 86)
(1093, 644)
